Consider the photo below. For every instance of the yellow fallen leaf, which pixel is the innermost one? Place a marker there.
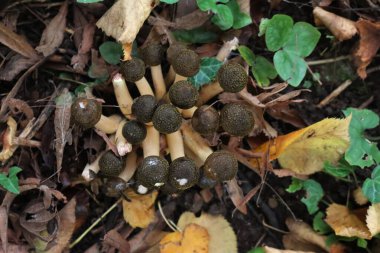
(273, 250)
(359, 196)
(346, 223)
(193, 239)
(138, 210)
(373, 219)
(305, 151)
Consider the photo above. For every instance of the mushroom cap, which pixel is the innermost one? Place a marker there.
(140, 188)
(169, 189)
(86, 112)
(152, 172)
(143, 108)
(167, 119)
(110, 165)
(205, 182)
(186, 63)
(152, 54)
(133, 69)
(221, 166)
(134, 131)
(205, 120)
(183, 173)
(114, 186)
(183, 94)
(173, 50)
(232, 77)
(236, 119)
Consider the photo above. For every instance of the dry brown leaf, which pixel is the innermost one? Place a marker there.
(4, 228)
(193, 239)
(222, 236)
(236, 195)
(192, 20)
(345, 223)
(14, 67)
(273, 250)
(138, 210)
(116, 240)
(53, 34)
(373, 219)
(368, 45)
(125, 18)
(16, 42)
(341, 28)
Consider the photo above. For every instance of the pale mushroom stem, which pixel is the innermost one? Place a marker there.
(123, 97)
(122, 145)
(188, 113)
(158, 81)
(130, 167)
(151, 143)
(170, 76)
(175, 144)
(194, 142)
(179, 78)
(92, 169)
(108, 125)
(144, 87)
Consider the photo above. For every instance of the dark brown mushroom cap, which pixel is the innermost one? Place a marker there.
(236, 119)
(152, 54)
(167, 119)
(140, 188)
(86, 112)
(232, 77)
(134, 131)
(143, 108)
(205, 120)
(133, 70)
(183, 94)
(169, 189)
(205, 182)
(173, 51)
(221, 166)
(183, 173)
(110, 165)
(186, 63)
(153, 171)
(114, 186)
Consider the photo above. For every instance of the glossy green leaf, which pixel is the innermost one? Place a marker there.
(314, 194)
(303, 39)
(206, 5)
(341, 170)
(111, 52)
(207, 72)
(362, 243)
(371, 186)
(223, 17)
(278, 31)
(263, 70)
(295, 186)
(361, 152)
(169, 1)
(10, 182)
(257, 250)
(247, 55)
(263, 26)
(197, 35)
(89, 1)
(241, 19)
(319, 225)
(291, 67)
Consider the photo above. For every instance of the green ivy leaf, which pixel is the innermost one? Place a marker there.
(303, 39)
(341, 170)
(257, 250)
(247, 55)
(206, 5)
(240, 19)
(111, 52)
(263, 70)
(362, 243)
(361, 151)
(89, 1)
(207, 72)
(278, 31)
(371, 186)
(263, 26)
(10, 182)
(291, 67)
(197, 35)
(223, 17)
(295, 186)
(320, 225)
(169, 1)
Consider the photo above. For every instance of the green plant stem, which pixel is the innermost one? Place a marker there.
(94, 224)
(330, 60)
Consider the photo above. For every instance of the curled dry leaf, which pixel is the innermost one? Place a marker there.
(341, 28)
(306, 150)
(116, 240)
(368, 45)
(359, 197)
(373, 219)
(138, 210)
(346, 223)
(236, 195)
(268, 249)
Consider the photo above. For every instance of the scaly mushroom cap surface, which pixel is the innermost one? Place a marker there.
(205, 182)
(86, 112)
(186, 63)
(221, 166)
(167, 119)
(232, 77)
(173, 50)
(183, 173)
(205, 120)
(110, 165)
(236, 119)
(183, 94)
(153, 171)
(134, 131)
(133, 69)
(143, 108)
(152, 54)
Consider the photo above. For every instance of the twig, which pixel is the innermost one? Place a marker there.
(312, 73)
(170, 224)
(335, 93)
(366, 103)
(330, 60)
(94, 224)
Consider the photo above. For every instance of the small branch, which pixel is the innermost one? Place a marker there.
(330, 60)
(334, 94)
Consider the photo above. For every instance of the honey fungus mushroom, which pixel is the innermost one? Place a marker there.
(133, 71)
(236, 119)
(87, 113)
(144, 107)
(167, 119)
(205, 120)
(186, 63)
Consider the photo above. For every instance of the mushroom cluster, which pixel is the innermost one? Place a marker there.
(168, 108)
